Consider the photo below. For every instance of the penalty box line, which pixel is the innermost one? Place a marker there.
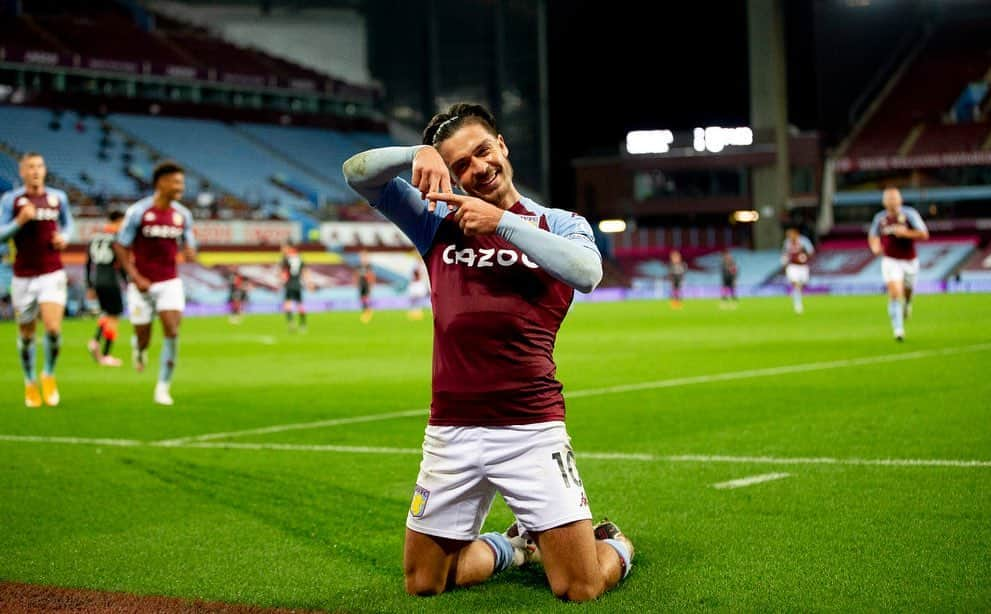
(577, 394)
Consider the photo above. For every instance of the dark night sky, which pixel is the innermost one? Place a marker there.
(656, 65)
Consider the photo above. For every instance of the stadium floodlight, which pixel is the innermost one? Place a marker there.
(746, 216)
(716, 138)
(649, 141)
(611, 226)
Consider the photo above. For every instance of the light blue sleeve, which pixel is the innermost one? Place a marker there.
(188, 239)
(807, 245)
(65, 216)
(875, 230)
(129, 229)
(915, 220)
(8, 225)
(401, 204)
(568, 252)
(572, 227)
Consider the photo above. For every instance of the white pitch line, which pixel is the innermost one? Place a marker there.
(812, 366)
(73, 440)
(280, 428)
(754, 479)
(667, 383)
(619, 456)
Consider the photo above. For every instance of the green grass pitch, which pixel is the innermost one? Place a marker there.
(663, 405)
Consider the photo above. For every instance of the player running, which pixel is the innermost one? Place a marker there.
(39, 220)
(103, 279)
(147, 247)
(893, 233)
(795, 254)
(503, 271)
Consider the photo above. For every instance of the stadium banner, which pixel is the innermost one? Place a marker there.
(112, 65)
(214, 232)
(886, 163)
(363, 234)
(34, 56)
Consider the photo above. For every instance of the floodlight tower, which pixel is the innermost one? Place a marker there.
(770, 185)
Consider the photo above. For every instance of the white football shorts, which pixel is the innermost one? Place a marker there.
(165, 295)
(29, 292)
(896, 269)
(797, 273)
(532, 466)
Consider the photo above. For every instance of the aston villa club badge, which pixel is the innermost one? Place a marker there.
(419, 504)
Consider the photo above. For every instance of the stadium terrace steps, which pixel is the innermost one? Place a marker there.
(978, 266)
(72, 152)
(284, 143)
(230, 159)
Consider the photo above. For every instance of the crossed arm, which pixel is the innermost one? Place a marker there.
(573, 260)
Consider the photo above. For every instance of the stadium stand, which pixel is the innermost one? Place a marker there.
(912, 118)
(234, 162)
(76, 148)
(978, 266)
(847, 267)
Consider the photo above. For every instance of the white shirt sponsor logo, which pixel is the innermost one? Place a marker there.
(46, 214)
(160, 231)
(485, 257)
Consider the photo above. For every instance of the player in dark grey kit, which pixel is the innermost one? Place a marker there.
(503, 270)
(103, 280)
(294, 275)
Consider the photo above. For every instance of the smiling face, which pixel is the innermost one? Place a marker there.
(171, 186)
(479, 163)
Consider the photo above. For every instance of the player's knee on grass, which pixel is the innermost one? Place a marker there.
(577, 590)
(424, 582)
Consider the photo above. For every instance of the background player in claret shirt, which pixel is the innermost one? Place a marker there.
(893, 233)
(147, 247)
(103, 279)
(676, 270)
(294, 275)
(795, 254)
(364, 279)
(503, 270)
(39, 220)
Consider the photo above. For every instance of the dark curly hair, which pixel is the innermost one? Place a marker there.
(443, 125)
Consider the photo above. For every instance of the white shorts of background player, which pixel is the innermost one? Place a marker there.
(896, 269)
(797, 273)
(165, 295)
(29, 292)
